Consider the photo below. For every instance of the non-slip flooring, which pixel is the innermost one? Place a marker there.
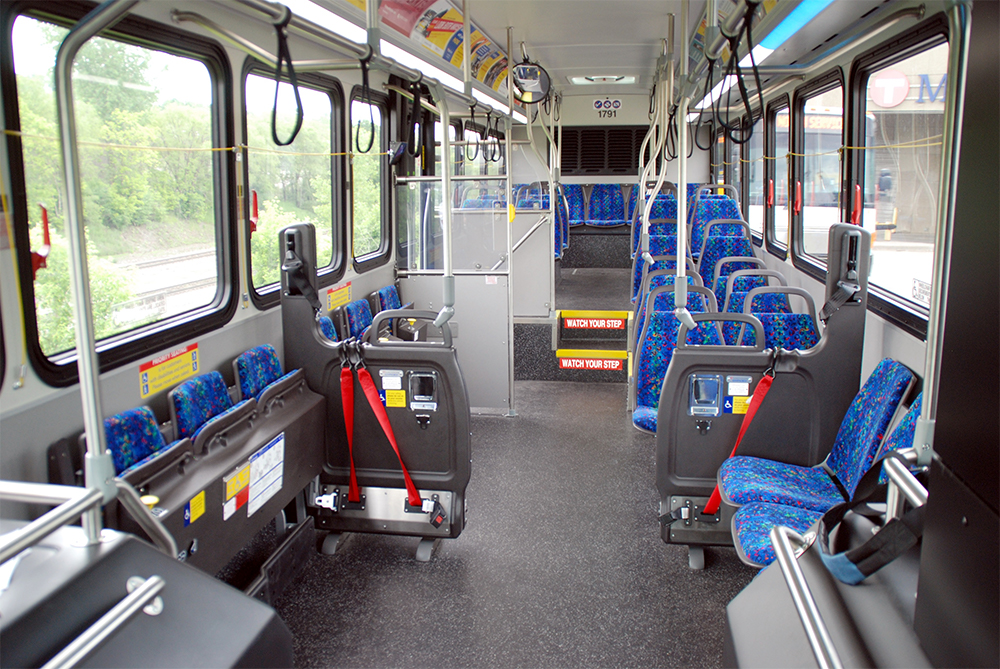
(561, 564)
(593, 288)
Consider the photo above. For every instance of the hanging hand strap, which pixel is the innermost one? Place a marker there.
(347, 396)
(284, 56)
(759, 393)
(371, 392)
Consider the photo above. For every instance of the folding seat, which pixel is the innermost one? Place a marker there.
(746, 479)
(606, 206)
(355, 318)
(575, 202)
(752, 523)
(134, 439)
(258, 375)
(326, 327)
(656, 347)
(201, 408)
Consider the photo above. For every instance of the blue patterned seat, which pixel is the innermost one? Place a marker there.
(752, 523)
(765, 303)
(698, 301)
(656, 348)
(711, 209)
(326, 327)
(717, 248)
(133, 438)
(640, 269)
(606, 206)
(198, 402)
(745, 479)
(574, 200)
(359, 317)
(662, 218)
(257, 370)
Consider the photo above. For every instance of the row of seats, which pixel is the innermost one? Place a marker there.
(354, 318)
(200, 408)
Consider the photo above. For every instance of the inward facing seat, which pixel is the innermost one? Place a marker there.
(134, 439)
(752, 523)
(358, 317)
(746, 479)
(202, 403)
(326, 327)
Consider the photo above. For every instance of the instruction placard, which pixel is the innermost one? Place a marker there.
(338, 296)
(237, 484)
(267, 467)
(167, 370)
(395, 399)
(736, 404)
(194, 509)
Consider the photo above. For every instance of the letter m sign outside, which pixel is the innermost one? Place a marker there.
(932, 93)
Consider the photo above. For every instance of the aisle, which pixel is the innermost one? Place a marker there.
(561, 564)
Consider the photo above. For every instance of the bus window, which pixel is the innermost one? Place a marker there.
(904, 113)
(756, 179)
(718, 159)
(780, 172)
(733, 171)
(294, 182)
(822, 132)
(452, 137)
(369, 178)
(145, 127)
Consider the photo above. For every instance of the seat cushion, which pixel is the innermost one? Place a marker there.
(326, 327)
(746, 479)
(198, 400)
(752, 526)
(644, 418)
(359, 317)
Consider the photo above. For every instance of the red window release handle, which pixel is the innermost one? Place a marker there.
(38, 257)
(856, 213)
(798, 197)
(253, 212)
(770, 192)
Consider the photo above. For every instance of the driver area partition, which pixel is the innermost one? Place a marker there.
(425, 399)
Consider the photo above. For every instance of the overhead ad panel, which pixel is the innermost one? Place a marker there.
(437, 26)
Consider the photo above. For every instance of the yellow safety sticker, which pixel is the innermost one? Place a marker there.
(736, 404)
(338, 296)
(195, 508)
(167, 370)
(395, 398)
(236, 481)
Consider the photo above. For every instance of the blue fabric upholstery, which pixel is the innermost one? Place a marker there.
(764, 303)
(656, 227)
(637, 272)
(717, 248)
(752, 526)
(326, 327)
(388, 298)
(606, 206)
(653, 357)
(696, 302)
(745, 479)
(256, 369)
(695, 205)
(359, 317)
(560, 226)
(198, 400)
(574, 198)
(664, 206)
(708, 211)
(133, 437)
(902, 436)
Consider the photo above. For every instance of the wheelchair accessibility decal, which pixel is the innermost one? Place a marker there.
(606, 107)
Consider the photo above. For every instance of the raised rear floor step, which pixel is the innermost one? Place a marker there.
(593, 325)
(589, 345)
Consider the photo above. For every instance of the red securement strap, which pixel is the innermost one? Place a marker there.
(371, 392)
(758, 396)
(347, 395)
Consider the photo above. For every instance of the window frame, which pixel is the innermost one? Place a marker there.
(756, 114)
(771, 111)
(380, 256)
(821, 84)
(334, 272)
(926, 35)
(60, 370)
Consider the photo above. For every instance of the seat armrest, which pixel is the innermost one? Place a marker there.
(213, 432)
(141, 472)
(273, 395)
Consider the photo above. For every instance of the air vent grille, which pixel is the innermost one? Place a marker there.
(601, 149)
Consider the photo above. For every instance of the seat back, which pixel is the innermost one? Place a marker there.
(782, 327)
(718, 247)
(867, 421)
(767, 303)
(326, 327)
(902, 436)
(358, 315)
(132, 436)
(255, 369)
(745, 280)
(640, 269)
(388, 298)
(710, 209)
(196, 401)
(575, 202)
(699, 300)
(606, 206)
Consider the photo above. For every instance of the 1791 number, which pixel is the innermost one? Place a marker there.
(607, 113)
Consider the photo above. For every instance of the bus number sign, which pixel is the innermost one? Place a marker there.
(606, 107)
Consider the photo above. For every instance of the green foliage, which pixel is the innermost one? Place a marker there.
(367, 192)
(265, 261)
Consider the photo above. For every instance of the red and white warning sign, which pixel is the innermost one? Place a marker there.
(612, 364)
(595, 323)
